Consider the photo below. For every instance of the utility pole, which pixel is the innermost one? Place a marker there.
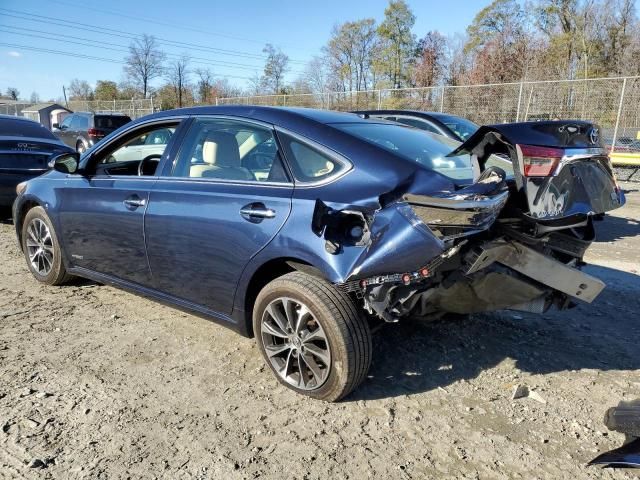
(64, 92)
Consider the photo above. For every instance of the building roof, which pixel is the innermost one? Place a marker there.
(41, 106)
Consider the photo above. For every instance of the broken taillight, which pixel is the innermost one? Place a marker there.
(540, 161)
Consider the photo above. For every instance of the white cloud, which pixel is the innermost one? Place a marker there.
(14, 54)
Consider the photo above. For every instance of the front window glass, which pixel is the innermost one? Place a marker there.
(427, 149)
(141, 146)
(66, 122)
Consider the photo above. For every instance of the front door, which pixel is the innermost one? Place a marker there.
(102, 211)
(225, 199)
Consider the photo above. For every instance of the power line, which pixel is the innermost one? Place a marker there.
(159, 22)
(92, 57)
(110, 31)
(123, 48)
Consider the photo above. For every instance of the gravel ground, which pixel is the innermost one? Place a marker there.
(99, 383)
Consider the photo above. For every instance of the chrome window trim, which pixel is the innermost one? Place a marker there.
(222, 181)
(332, 154)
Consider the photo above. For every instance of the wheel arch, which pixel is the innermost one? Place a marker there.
(20, 213)
(261, 276)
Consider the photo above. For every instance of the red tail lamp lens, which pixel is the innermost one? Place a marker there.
(540, 161)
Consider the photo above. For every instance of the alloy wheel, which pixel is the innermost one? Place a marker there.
(40, 246)
(295, 343)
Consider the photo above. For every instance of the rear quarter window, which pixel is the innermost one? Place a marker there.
(110, 121)
(309, 163)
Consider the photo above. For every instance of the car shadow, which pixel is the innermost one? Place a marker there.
(616, 228)
(413, 357)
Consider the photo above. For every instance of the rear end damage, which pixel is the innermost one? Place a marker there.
(503, 242)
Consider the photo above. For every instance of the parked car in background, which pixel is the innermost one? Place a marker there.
(25, 149)
(456, 128)
(144, 147)
(81, 130)
(301, 226)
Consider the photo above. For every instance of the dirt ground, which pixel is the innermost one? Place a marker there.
(99, 383)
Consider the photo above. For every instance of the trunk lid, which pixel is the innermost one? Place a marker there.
(562, 174)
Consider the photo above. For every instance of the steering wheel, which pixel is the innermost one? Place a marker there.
(149, 164)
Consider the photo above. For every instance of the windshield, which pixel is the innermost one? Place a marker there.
(462, 127)
(428, 149)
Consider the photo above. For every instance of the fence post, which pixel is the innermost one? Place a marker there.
(379, 99)
(615, 130)
(284, 100)
(114, 105)
(519, 102)
(442, 99)
(216, 101)
(152, 107)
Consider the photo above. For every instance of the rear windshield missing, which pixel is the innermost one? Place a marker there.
(429, 150)
(23, 128)
(110, 121)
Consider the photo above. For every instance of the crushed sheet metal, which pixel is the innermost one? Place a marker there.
(627, 456)
(539, 267)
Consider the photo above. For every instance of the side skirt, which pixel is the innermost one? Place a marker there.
(165, 299)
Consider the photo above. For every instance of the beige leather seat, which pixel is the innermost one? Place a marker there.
(221, 159)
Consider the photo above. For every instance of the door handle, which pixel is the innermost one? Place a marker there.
(256, 212)
(134, 202)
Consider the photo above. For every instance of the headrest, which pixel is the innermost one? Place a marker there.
(221, 149)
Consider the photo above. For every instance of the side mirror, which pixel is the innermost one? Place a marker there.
(65, 162)
(55, 125)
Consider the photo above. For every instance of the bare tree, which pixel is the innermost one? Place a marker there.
(205, 84)
(144, 63)
(80, 90)
(275, 68)
(35, 98)
(13, 93)
(178, 77)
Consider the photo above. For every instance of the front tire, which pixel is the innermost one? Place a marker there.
(41, 248)
(312, 336)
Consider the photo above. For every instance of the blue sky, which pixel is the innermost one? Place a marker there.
(239, 28)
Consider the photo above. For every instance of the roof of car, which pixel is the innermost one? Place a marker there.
(419, 113)
(13, 117)
(266, 113)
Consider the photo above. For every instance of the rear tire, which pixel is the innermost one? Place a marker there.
(41, 248)
(319, 345)
(80, 148)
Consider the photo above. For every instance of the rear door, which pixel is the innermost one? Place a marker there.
(223, 201)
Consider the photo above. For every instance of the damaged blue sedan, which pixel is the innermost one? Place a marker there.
(302, 227)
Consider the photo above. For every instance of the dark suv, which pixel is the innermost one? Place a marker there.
(82, 129)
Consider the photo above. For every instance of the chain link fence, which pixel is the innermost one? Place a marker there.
(133, 108)
(14, 109)
(613, 103)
